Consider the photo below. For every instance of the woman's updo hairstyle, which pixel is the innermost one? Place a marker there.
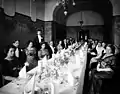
(112, 48)
(7, 48)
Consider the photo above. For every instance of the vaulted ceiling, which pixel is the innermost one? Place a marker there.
(103, 7)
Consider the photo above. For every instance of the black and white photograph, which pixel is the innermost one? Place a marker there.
(59, 46)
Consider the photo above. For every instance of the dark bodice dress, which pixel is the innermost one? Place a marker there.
(98, 76)
(10, 68)
(42, 53)
(108, 62)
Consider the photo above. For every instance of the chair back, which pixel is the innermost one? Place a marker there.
(2, 80)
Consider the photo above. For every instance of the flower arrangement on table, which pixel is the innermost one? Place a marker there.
(56, 71)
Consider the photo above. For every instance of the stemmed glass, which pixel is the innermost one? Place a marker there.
(20, 83)
(76, 83)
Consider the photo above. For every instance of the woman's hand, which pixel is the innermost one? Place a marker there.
(99, 70)
(26, 64)
(98, 67)
(105, 69)
(9, 78)
(92, 53)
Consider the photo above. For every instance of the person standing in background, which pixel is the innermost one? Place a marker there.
(38, 39)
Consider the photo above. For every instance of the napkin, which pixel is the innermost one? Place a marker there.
(53, 55)
(44, 62)
(77, 59)
(62, 52)
(39, 66)
(22, 73)
(30, 86)
(52, 88)
(70, 79)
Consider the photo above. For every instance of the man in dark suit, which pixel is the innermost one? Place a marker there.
(18, 51)
(38, 39)
(65, 44)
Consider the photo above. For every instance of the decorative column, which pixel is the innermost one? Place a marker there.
(48, 31)
(33, 10)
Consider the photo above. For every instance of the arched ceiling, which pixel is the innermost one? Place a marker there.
(88, 17)
(103, 7)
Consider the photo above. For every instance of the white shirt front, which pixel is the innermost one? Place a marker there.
(65, 45)
(17, 52)
(39, 38)
(52, 49)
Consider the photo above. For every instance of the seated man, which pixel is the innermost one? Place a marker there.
(105, 69)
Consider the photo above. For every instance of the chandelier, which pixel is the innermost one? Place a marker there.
(65, 4)
(81, 19)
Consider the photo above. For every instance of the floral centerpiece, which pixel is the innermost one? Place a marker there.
(56, 70)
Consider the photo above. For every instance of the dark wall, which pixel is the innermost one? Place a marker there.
(20, 27)
(48, 31)
(116, 30)
(102, 7)
(59, 31)
(17, 27)
(2, 33)
(94, 31)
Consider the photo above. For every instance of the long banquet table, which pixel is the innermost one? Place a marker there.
(13, 88)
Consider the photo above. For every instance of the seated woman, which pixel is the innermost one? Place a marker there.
(10, 65)
(28, 47)
(59, 46)
(100, 50)
(92, 51)
(31, 59)
(105, 69)
(44, 51)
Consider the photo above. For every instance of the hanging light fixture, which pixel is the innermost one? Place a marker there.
(73, 3)
(65, 12)
(81, 19)
(65, 4)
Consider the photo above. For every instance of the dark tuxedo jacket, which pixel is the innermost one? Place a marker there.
(36, 42)
(21, 56)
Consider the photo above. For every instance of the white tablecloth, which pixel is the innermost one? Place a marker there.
(77, 70)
